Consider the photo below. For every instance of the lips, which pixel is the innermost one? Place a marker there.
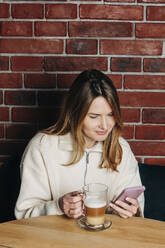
(101, 132)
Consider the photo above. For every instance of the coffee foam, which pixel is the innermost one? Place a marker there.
(94, 203)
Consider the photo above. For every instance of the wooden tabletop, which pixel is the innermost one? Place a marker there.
(59, 231)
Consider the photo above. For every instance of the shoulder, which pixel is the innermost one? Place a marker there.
(51, 140)
(124, 144)
(42, 139)
(128, 157)
(127, 151)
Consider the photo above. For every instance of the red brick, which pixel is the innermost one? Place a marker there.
(51, 98)
(50, 29)
(144, 82)
(145, 148)
(20, 131)
(156, 13)
(4, 114)
(132, 47)
(151, 1)
(10, 80)
(120, 1)
(76, 46)
(12, 147)
(66, 80)
(154, 65)
(16, 29)
(61, 11)
(31, 46)
(19, 97)
(154, 116)
(116, 79)
(130, 114)
(34, 115)
(155, 161)
(4, 63)
(143, 99)
(4, 10)
(126, 64)
(1, 131)
(40, 81)
(75, 63)
(26, 63)
(150, 30)
(1, 97)
(147, 132)
(100, 29)
(27, 11)
(111, 12)
(128, 132)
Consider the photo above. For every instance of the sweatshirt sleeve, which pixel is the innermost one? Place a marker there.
(35, 197)
(128, 175)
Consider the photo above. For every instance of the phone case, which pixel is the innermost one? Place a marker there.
(132, 192)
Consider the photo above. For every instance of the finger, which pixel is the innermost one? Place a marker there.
(72, 199)
(77, 192)
(123, 216)
(68, 205)
(120, 210)
(133, 202)
(76, 215)
(73, 213)
(129, 207)
(132, 205)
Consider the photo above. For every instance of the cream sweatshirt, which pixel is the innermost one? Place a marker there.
(45, 178)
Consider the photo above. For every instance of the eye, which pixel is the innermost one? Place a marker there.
(93, 116)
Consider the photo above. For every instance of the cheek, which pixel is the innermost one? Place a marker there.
(88, 126)
(112, 123)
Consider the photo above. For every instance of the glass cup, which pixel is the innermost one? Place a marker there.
(95, 203)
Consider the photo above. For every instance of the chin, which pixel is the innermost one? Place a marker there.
(101, 139)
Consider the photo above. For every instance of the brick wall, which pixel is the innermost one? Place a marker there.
(45, 44)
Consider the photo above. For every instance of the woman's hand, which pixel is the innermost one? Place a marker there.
(126, 210)
(72, 204)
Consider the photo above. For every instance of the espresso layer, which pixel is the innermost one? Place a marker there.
(94, 212)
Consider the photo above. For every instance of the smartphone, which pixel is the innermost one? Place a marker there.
(132, 192)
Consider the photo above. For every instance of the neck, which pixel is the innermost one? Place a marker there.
(90, 145)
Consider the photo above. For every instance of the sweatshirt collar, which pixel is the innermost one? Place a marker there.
(65, 143)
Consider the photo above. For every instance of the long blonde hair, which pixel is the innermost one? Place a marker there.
(86, 87)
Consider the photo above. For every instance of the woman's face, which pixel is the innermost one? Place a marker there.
(98, 122)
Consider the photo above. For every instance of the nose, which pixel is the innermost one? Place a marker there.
(103, 123)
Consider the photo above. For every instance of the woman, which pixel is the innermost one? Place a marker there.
(84, 146)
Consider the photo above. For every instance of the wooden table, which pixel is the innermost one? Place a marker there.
(59, 231)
